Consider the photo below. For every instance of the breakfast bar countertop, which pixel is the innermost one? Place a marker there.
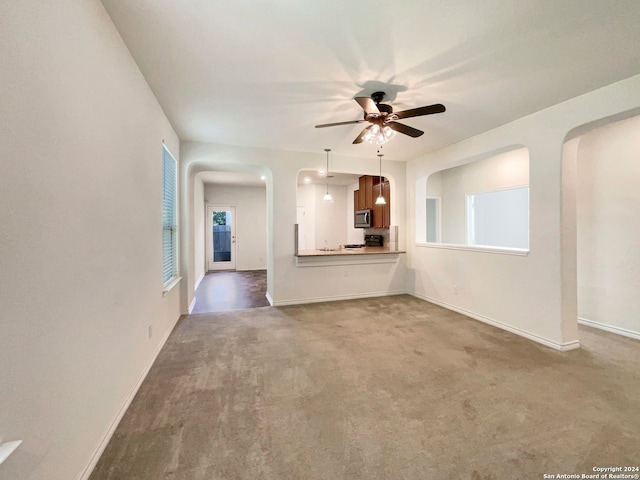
(348, 251)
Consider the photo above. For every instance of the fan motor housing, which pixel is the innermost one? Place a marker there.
(385, 110)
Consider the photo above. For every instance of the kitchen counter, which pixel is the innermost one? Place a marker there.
(347, 256)
(349, 251)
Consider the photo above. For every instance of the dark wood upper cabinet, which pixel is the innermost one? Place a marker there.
(365, 192)
(365, 198)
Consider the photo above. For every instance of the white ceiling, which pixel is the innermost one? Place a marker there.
(252, 180)
(263, 73)
(319, 177)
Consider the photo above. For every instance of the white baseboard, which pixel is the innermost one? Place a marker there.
(609, 328)
(191, 305)
(198, 282)
(269, 299)
(84, 475)
(334, 298)
(523, 333)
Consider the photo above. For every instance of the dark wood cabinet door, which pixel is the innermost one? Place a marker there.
(365, 198)
(368, 191)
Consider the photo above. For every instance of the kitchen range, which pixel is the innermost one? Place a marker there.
(374, 245)
(369, 241)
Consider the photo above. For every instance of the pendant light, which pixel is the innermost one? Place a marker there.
(327, 197)
(380, 200)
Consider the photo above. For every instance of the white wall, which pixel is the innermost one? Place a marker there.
(331, 222)
(325, 223)
(306, 199)
(331, 218)
(532, 295)
(251, 221)
(80, 247)
(497, 172)
(287, 283)
(199, 212)
(608, 225)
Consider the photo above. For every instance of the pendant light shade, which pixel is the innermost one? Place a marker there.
(380, 200)
(327, 196)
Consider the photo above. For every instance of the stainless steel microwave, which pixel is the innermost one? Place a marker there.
(363, 218)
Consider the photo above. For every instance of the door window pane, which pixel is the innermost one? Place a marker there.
(221, 236)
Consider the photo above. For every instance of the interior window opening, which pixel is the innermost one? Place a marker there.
(484, 203)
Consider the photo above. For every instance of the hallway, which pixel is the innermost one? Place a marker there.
(231, 290)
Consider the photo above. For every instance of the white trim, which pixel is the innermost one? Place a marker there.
(198, 282)
(269, 298)
(7, 448)
(193, 300)
(609, 328)
(169, 285)
(84, 475)
(523, 333)
(334, 298)
(521, 252)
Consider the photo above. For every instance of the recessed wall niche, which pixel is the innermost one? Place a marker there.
(484, 203)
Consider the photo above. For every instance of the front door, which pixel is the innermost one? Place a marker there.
(221, 237)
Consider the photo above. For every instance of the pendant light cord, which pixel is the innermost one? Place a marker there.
(327, 171)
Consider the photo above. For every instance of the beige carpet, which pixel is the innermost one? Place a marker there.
(384, 388)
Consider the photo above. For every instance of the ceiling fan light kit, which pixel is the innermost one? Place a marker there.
(378, 136)
(383, 120)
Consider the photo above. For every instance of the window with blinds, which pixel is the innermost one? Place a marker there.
(169, 217)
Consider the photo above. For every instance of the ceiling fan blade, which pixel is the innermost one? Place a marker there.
(360, 138)
(417, 112)
(368, 105)
(406, 129)
(339, 123)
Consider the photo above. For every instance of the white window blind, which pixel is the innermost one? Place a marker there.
(169, 217)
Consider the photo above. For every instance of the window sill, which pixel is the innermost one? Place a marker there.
(519, 252)
(169, 285)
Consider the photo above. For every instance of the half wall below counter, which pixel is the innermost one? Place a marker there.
(347, 256)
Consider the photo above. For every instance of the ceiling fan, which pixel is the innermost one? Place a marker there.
(383, 121)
